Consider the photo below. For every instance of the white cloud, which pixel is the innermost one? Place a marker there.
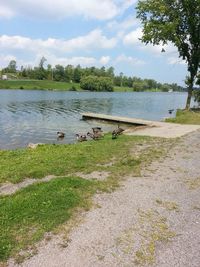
(129, 60)
(104, 60)
(51, 9)
(54, 60)
(5, 59)
(127, 23)
(93, 40)
(5, 12)
(132, 38)
(175, 61)
(83, 61)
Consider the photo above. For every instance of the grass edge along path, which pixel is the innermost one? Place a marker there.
(27, 215)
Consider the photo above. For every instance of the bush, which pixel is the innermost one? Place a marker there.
(94, 83)
(73, 88)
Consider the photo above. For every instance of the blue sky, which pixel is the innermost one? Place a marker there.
(86, 32)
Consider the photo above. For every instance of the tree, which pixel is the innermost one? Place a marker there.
(41, 64)
(59, 73)
(69, 73)
(178, 22)
(12, 67)
(95, 83)
(77, 74)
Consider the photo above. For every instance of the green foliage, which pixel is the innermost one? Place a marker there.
(104, 79)
(94, 83)
(11, 68)
(177, 22)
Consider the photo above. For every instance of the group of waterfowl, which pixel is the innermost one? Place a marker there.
(96, 134)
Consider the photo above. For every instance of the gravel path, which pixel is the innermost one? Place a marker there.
(153, 220)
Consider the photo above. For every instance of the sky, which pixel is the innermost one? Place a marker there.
(86, 32)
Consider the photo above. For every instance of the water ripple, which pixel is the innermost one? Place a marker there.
(36, 116)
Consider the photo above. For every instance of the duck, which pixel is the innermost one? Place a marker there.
(95, 135)
(117, 132)
(170, 111)
(60, 134)
(81, 137)
(96, 129)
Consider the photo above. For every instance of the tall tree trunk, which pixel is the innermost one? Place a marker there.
(190, 89)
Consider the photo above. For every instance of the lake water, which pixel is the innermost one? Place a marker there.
(34, 116)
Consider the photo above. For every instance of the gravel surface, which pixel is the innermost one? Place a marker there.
(152, 220)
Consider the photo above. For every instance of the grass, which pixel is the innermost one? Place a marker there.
(51, 85)
(16, 165)
(37, 85)
(193, 183)
(158, 231)
(122, 89)
(37, 209)
(43, 207)
(186, 117)
(139, 242)
(168, 205)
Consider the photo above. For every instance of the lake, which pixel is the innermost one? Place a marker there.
(33, 116)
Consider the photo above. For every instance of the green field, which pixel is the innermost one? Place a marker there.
(48, 85)
(37, 85)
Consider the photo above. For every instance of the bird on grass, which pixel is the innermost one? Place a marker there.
(117, 132)
(81, 137)
(96, 129)
(95, 135)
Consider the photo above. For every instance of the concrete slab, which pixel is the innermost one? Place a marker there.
(166, 130)
(151, 128)
(116, 119)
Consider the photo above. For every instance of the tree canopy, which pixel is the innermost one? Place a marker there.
(78, 74)
(178, 22)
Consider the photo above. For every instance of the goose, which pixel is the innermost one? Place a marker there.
(96, 129)
(81, 137)
(117, 132)
(60, 134)
(95, 135)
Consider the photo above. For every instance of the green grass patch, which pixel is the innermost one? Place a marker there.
(39, 208)
(16, 165)
(37, 85)
(122, 89)
(186, 117)
(52, 85)
(42, 207)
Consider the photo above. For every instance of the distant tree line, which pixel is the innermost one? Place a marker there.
(90, 78)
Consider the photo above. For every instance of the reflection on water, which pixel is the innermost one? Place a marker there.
(36, 116)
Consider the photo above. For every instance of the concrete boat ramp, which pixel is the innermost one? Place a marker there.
(145, 127)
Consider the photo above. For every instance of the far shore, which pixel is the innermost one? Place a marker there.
(54, 85)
